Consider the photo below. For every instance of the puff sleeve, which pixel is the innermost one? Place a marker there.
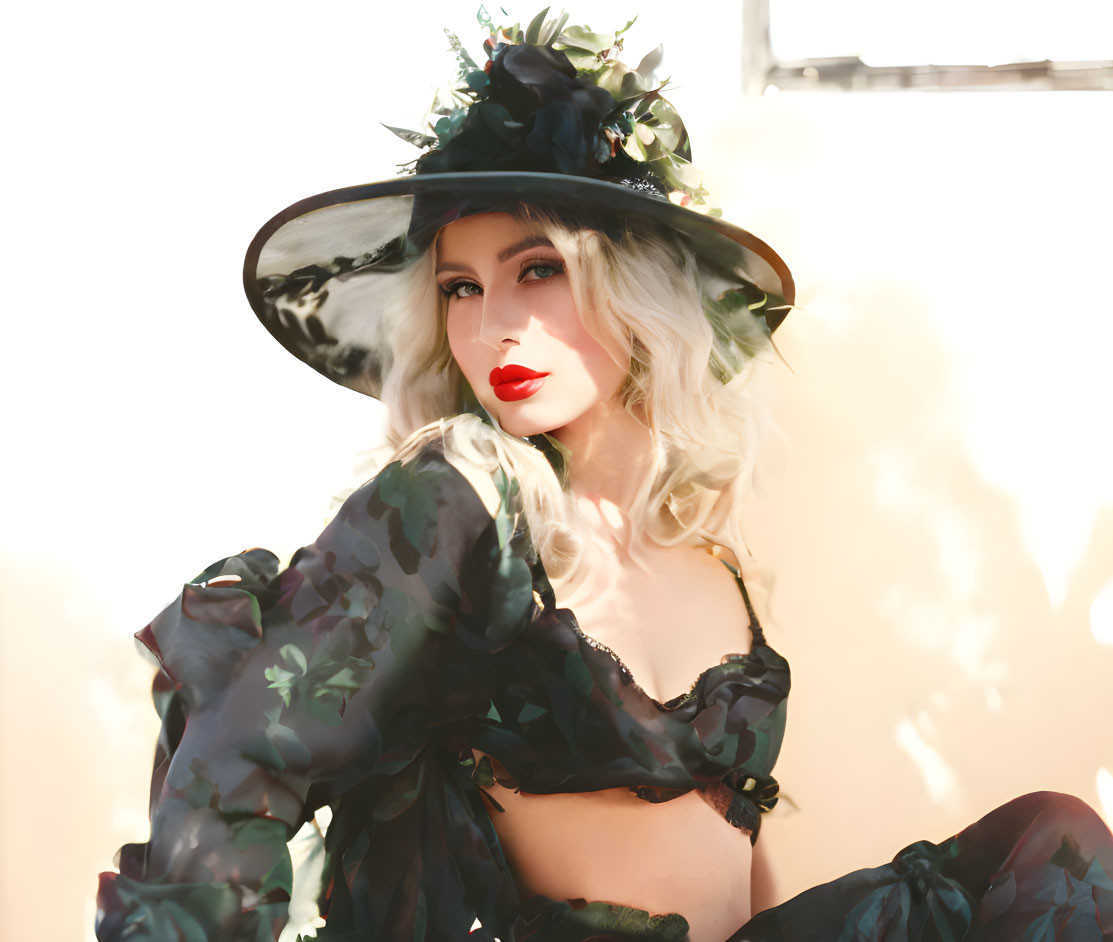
(282, 692)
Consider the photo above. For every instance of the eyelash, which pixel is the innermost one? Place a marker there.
(449, 290)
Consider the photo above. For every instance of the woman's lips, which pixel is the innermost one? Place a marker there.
(513, 383)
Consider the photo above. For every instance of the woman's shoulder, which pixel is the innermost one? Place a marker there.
(454, 500)
(442, 503)
(455, 459)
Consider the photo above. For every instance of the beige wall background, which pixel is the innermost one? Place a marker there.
(935, 538)
(941, 536)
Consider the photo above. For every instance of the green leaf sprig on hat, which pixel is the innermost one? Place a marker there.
(556, 98)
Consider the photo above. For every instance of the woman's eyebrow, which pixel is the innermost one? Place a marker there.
(509, 252)
(528, 242)
(453, 266)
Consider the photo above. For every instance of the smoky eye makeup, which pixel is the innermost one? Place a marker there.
(459, 288)
(544, 267)
(537, 268)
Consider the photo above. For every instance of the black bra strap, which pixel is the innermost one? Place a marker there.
(755, 626)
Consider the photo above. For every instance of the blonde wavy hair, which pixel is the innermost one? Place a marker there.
(641, 293)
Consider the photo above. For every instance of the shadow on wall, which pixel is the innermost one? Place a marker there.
(933, 680)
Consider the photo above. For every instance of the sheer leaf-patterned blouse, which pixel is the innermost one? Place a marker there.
(418, 627)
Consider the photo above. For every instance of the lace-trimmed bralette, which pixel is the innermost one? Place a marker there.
(568, 715)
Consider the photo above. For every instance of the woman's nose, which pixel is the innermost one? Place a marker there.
(503, 320)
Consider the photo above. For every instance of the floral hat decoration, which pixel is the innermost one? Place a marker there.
(552, 118)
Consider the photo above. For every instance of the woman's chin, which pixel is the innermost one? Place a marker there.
(521, 427)
(524, 420)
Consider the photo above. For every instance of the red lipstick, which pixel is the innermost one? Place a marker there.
(512, 383)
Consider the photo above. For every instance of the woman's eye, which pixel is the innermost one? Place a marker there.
(536, 271)
(461, 289)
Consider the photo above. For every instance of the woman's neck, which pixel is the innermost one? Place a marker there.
(611, 454)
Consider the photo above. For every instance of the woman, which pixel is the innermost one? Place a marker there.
(478, 666)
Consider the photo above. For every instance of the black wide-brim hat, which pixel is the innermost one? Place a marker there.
(313, 274)
(538, 133)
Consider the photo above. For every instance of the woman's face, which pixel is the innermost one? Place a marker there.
(514, 329)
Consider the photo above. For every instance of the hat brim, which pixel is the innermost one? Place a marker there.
(313, 272)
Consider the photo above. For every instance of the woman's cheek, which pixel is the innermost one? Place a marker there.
(465, 350)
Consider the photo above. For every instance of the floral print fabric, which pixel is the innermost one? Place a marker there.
(348, 679)
(1037, 868)
(421, 625)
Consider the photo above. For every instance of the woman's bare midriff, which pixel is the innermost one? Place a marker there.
(679, 856)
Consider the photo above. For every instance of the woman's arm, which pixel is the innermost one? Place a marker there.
(281, 692)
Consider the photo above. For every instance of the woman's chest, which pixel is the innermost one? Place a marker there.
(637, 691)
(667, 621)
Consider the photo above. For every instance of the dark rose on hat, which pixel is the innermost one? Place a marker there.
(533, 114)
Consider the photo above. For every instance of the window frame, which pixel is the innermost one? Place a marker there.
(761, 69)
